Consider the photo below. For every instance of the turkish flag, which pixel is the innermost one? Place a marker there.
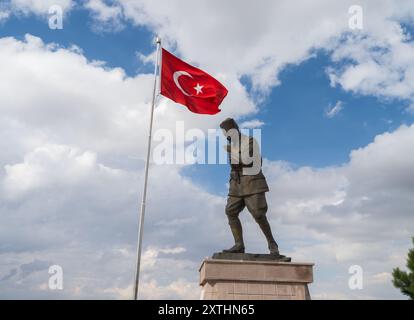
(190, 86)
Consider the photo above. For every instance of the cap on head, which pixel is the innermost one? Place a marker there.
(228, 124)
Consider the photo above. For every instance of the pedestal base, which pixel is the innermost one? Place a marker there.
(250, 257)
(254, 280)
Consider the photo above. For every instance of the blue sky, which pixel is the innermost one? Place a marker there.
(296, 130)
(294, 112)
(75, 135)
(116, 49)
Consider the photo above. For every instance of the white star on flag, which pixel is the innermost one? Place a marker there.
(198, 88)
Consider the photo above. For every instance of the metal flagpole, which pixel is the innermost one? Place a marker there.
(144, 194)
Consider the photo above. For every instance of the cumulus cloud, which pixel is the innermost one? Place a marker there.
(64, 164)
(358, 213)
(107, 17)
(376, 60)
(260, 40)
(379, 67)
(75, 212)
(70, 100)
(39, 7)
(104, 11)
(377, 182)
(257, 39)
(251, 124)
(267, 40)
(63, 99)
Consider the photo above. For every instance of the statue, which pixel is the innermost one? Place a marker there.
(246, 190)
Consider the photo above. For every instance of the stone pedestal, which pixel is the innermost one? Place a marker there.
(254, 280)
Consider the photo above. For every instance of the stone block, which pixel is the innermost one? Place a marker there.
(255, 280)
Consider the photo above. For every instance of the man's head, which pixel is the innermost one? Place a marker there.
(228, 124)
(230, 128)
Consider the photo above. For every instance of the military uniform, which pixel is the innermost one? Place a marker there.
(246, 190)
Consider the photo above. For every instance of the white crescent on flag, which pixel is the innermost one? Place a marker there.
(178, 74)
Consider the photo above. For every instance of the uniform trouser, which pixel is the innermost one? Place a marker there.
(257, 206)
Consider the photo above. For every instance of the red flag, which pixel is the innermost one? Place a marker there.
(192, 87)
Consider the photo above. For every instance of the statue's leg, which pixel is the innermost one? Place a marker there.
(257, 206)
(233, 208)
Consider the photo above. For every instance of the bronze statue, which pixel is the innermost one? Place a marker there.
(247, 189)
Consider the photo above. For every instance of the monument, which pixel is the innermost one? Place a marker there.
(233, 274)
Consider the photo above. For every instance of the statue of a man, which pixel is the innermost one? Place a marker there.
(247, 186)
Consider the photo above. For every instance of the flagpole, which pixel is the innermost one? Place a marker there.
(144, 193)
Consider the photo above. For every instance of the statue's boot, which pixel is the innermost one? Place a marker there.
(265, 226)
(274, 249)
(237, 231)
(237, 248)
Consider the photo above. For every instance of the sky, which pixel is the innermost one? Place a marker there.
(335, 106)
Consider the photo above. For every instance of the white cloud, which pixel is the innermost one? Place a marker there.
(49, 165)
(108, 17)
(179, 289)
(4, 15)
(377, 68)
(358, 213)
(72, 148)
(379, 60)
(257, 40)
(335, 110)
(40, 7)
(381, 278)
(358, 191)
(376, 60)
(64, 99)
(61, 203)
(255, 123)
(69, 100)
(260, 40)
(334, 216)
(103, 11)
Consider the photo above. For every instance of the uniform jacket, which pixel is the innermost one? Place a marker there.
(241, 182)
